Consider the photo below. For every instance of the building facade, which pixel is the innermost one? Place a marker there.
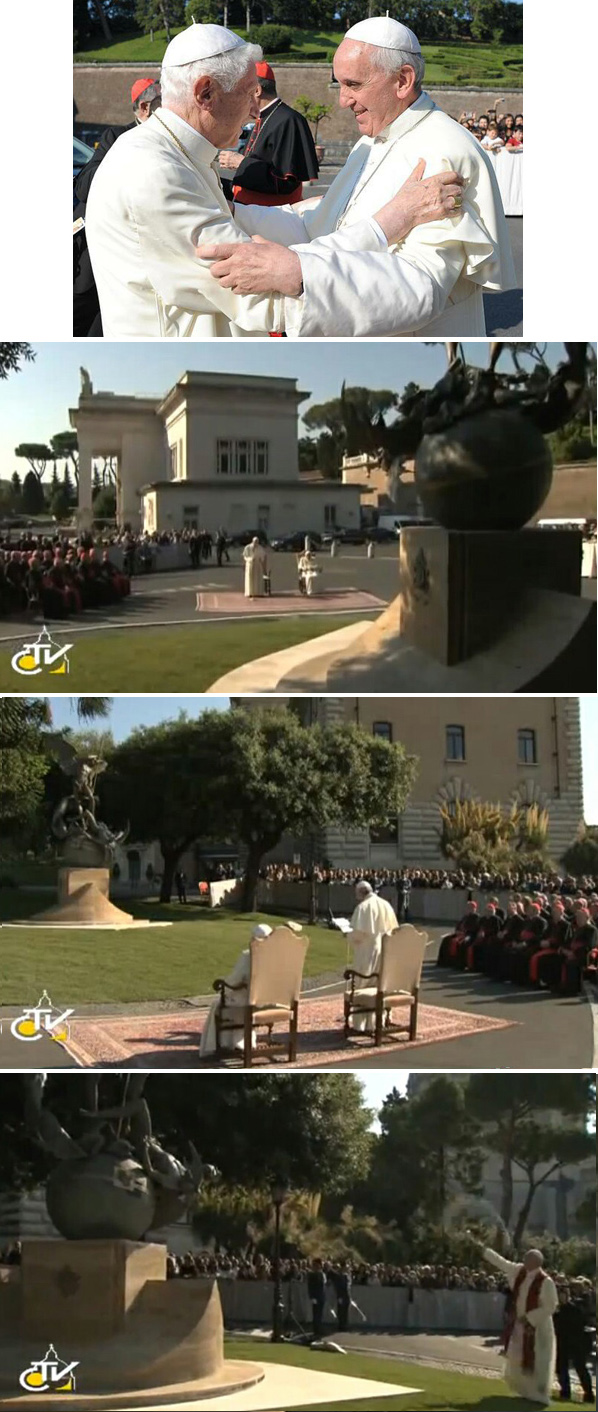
(216, 450)
(496, 749)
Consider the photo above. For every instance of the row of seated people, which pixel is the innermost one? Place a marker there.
(542, 943)
(59, 585)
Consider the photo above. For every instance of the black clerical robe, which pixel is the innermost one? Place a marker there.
(280, 155)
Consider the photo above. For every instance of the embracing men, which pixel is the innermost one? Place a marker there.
(406, 238)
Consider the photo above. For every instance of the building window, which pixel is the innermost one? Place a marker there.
(386, 833)
(174, 461)
(455, 743)
(261, 458)
(242, 458)
(383, 729)
(224, 462)
(190, 517)
(263, 518)
(330, 516)
(134, 864)
(526, 747)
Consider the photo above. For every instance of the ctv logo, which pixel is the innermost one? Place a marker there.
(41, 1019)
(33, 657)
(50, 1374)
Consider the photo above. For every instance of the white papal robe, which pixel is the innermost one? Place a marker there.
(150, 206)
(374, 917)
(255, 568)
(452, 261)
(536, 1385)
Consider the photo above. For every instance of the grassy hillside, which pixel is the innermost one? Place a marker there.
(495, 66)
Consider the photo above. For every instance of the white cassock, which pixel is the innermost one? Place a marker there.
(536, 1385)
(433, 279)
(149, 207)
(375, 917)
(255, 563)
(231, 1039)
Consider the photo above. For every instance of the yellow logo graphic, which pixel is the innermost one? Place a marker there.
(43, 1018)
(33, 657)
(50, 1374)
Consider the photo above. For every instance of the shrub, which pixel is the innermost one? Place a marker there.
(274, 39)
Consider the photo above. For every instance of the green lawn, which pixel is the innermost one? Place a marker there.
(440, 1390)
(186, 659)
(462, 64)
(82, 966)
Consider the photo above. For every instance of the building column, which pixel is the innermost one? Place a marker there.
(84, 506)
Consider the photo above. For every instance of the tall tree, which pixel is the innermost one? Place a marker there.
(100, 10)
(37, 455)
(33, 499)
(429, 1146)
(65, 446)
(13, 355)
(160, 14)
(535, 1126)
(25, 763)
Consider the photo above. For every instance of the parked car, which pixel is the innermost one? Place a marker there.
(296, 541)
(243, 537)
(82, 154)
(378, 534)
(346, 536)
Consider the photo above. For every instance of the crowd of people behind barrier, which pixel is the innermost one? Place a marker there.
(495, 130)
(524, 880)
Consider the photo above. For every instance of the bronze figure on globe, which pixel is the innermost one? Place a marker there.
(115, 1178)
(481, 460)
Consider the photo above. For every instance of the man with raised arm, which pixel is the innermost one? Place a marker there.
(530, 1343)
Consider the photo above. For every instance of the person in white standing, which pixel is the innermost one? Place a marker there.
(157, 198)
(379, 68)
(255, 559)
(530, 1340)
(375, 917)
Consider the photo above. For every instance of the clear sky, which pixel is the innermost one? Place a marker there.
(129, 711)
(34, 403)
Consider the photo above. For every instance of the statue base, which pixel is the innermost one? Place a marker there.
(83, 900)
(138, 1339)
(477, 611)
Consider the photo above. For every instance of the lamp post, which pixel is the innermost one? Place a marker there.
(279, 1196)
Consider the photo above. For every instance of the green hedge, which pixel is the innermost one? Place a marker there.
(274, 39)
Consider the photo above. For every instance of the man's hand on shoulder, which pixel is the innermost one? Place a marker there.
(255, 267)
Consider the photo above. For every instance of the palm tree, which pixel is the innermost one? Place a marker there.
(91, 708)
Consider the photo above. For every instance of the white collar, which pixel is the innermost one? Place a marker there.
(411, 116)
(198, 147)
(276, 99)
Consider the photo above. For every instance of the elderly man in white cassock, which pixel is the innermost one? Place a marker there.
(239, 976)
(157, 201)
(379, 68)
(530, 1341)
(373, 918)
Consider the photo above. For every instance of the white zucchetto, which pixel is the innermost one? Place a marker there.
(385, 33)
(199, 42)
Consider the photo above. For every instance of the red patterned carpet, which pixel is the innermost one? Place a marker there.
(328, 600)
(172, 1040)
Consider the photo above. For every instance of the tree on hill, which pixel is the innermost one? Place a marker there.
(486, 17)
(37, 455)
(153, 15)
(536, 1128)
(13, 355)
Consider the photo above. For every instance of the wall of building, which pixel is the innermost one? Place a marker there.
(102, 96)
(129, 429)
(491, 770)
(240, 504)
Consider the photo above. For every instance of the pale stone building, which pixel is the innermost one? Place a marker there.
(217, 449)
(496, 749)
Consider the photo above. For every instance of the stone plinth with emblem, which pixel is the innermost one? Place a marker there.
(137, 1338)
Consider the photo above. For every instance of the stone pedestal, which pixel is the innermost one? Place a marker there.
(477, 611)
(137, 1338)
(83, 900)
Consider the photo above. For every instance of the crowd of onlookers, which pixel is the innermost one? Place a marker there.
(524, 880)
(495, 130)
(547, 941)
(57, 579)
